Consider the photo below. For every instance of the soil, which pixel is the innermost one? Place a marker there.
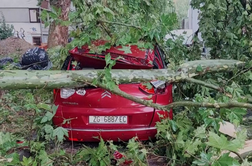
(14, 45)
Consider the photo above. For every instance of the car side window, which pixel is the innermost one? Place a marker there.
(159, 62)
(67, 63)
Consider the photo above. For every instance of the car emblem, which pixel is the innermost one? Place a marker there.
(105, 94)
(81, 92)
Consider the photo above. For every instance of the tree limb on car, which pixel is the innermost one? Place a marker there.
(20, 79)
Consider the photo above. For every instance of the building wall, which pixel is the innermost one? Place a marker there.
(29, 30)
(15, 15)
(19, 3)
(21, 15)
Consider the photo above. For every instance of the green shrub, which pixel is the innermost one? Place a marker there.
(5, 29)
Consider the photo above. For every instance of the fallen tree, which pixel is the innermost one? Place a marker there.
(20, 79)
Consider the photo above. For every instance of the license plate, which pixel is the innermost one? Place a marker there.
(108, 119)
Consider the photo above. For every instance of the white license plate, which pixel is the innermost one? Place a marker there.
(108, 119)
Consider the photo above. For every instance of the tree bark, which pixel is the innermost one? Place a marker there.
(58, 34)
(22, 79)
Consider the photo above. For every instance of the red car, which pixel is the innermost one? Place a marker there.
(89, 113)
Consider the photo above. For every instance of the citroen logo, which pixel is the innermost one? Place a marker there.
(106, 94)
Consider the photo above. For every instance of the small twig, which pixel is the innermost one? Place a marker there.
(231, 104)
(203, 83)
(6, 106)
(237, 155)
(119, 23)
(196, 157)
(239, 73)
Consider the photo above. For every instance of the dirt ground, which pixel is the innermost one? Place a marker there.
(14, 45)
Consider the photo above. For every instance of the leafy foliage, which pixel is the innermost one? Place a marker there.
(122, 22)
(192, 137)
(35, 125)
(117, 21)
(5, 29)
(99, 156)
(224, 29)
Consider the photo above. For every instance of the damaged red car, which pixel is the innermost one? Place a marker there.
(89, 113)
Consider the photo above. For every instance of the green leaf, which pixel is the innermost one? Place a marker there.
(44, 106)
(54, 109)
(27, 161)
(45, 160)
(236, 113)
(47, 24)
(200, 132)
(199, 68)
(4, 138)
(43, 120)
(48, 117)
(53, 15)
(205, 159)
(107, 59)
(108, 10)
(126, 49)
(148, 85)
(65, 23)
(241, 136)
(48, 128)
(147, 2)
(211, 7)
(246, 163)
(180, 143)
(191, 147)
(226, 160)
(60, 132)
(222, 143)
(250, 76)
(173, 125)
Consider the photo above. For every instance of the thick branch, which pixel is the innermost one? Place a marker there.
(149, 103)
(22, 79)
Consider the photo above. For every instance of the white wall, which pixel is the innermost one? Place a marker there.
(17, 15)
(19, 3)
(30, 30)
(193, 18)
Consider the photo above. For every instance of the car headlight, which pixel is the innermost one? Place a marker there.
(66, 92)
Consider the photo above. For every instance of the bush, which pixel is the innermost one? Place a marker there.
(5, 29)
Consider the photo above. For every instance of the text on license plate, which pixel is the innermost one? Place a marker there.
(108, 119)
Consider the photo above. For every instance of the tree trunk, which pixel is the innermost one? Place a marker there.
(58, 34)
(22, 79)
